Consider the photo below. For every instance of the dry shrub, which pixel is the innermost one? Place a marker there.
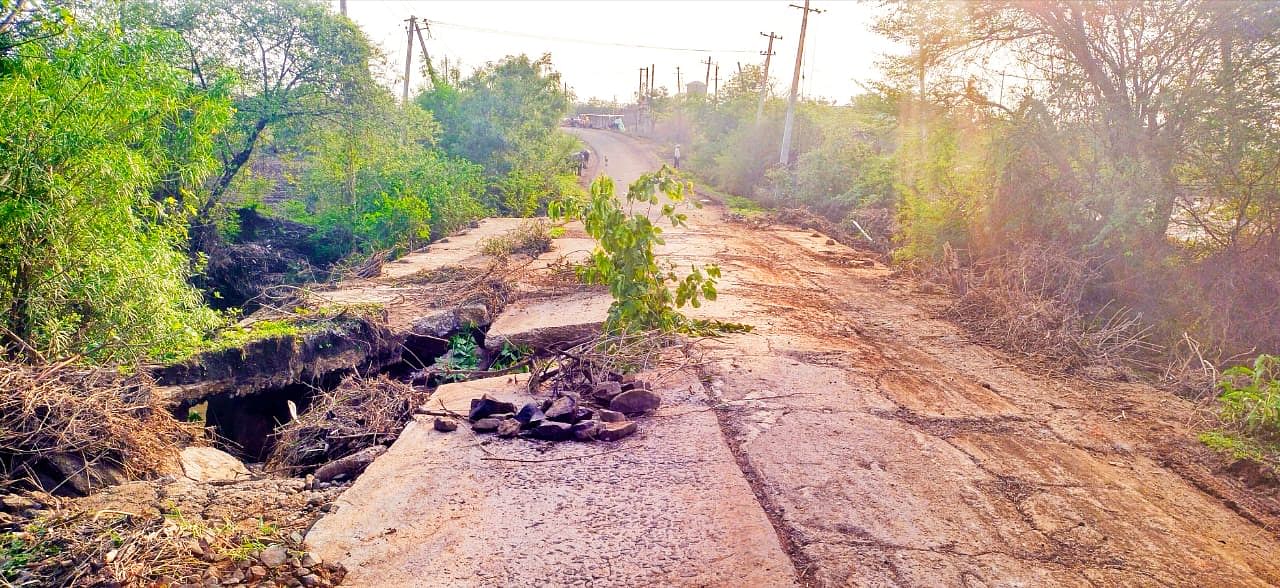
(1033, 302)
(845, 233)
(81, 428)
(532, 238)
(359, 413)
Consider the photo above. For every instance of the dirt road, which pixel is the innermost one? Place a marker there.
(859, 441)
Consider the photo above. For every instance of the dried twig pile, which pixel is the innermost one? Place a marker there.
(583, 365)
(359, 413)
(1032, 302)
(66, 428)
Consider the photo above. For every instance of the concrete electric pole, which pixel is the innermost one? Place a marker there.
(785, 156)
(764, 83)
(408, 56)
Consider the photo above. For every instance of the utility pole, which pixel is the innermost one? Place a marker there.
(764, 83)
(679, 86)
(342, 7)
(408, 56)
(795, 84)
(707, 82)
(717, 93)
(426, 57)
(653, 73)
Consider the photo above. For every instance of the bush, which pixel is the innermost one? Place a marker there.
(624, 260)
(92, 211)
(1251, 396)
(532, 238)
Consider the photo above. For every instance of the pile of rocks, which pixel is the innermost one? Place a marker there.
(566, 415)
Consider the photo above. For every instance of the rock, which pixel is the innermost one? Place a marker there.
(309, 482)
(615, 431)
(635, 401)
(561, 409)
(487, 406)
(636, 385)
(311, 580)
(605, 392)
(552, 431)
(274, 556)
(582, 414)
(257, 572)
(17, 504)
(486, 425)
(531, 414)
(206, 464)
(831, 242)
(611, 416)
(508, 428)
(351, 465)
(311, 559)
(586, 430)
(445, 425)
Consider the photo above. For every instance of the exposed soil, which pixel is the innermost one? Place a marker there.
(879, 444)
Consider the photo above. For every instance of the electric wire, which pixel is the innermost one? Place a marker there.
(582, 41)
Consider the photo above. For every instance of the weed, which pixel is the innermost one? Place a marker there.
(532, 237)
(1237, 447)
(743, 206)
(17, 550)
(510, 355)
(1251, 396)
(463, 355)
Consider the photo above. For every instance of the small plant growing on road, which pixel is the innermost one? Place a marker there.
(463, 355)
(646, 293)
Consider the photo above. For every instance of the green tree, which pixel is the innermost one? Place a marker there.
(293, 59)
(93, 122)
(368, 188)
(506, 117)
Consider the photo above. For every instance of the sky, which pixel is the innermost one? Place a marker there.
(625, 35)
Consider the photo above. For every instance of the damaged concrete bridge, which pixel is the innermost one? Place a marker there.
(852, 439)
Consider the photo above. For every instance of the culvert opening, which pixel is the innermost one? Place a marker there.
(245, 425)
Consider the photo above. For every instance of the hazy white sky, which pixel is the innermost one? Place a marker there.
(840, 48)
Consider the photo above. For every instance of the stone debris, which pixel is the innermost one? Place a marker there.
(207, 464)
(563, 416)
(531, 414)
(509, 428)
(487, 406)
(349, 466)
(562, 409)
(615, 431)
(635, 401)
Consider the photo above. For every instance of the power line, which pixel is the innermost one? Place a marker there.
(583, 41)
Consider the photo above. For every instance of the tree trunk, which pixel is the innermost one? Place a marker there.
(233, 167)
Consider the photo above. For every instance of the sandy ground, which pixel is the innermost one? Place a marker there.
(857, 440)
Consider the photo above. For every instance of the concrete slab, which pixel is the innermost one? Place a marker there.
(665, 507)
(540, 323)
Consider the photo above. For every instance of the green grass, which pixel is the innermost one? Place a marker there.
(305, 320)
(743, 206)
(1240, 447)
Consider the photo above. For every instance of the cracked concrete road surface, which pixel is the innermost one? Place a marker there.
(852, 439)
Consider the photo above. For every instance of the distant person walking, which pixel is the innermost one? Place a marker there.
(676, 155)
